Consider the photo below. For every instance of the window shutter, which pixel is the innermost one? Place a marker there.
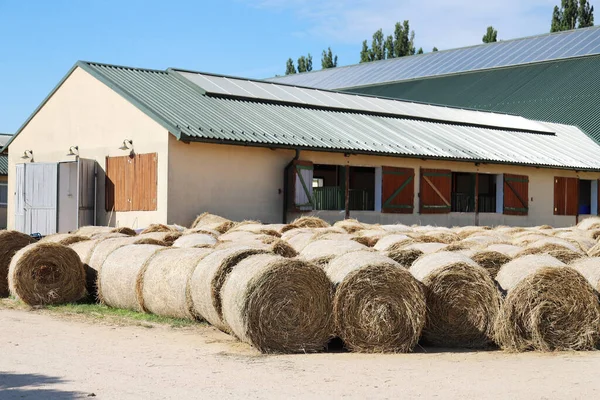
(301, 177)
(131, 183)
(398, 190)
(566, 196)
(516, 194)
(436, 191)
(144, 197)
(117, 190)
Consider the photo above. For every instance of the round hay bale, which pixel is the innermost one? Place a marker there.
(93, 230)
(526, 240)
(104, 236)
(566, 256)
(125, 231)
(84, 250)
(589, 267)
(300, 240)
(549, 244)
(404, 257)
(10, 243)
(456, 247)
(158, 228)
(255, 228)
(518, 269)
(205, 219)
(398, 228)
(506, 249)
(310, 222)
(588, 224)
(542, 227)
(202, 231)
(483, 241)
(65, 239)
(492, 261)
(235, 236)
(386, 242)
(46, 273)
(279, 305)
(594, 234)
(378, 306)
(119, 278)
(268, 243)
(166, 237)
(466, 231)
(165, 282)
(322, 251)
(196, 239)
(552, 309)
(329, 235)
(462, 300)
(349, 225)
(427, 248)
(208, 279)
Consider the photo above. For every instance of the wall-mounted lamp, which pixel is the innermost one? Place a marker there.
(73, 151)
(27, 154)
(127, 145)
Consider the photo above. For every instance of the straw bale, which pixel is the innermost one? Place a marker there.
(119, 278)
(566, 256)
(427, 248)
(194, 240)
(205, 219)
(518, 269)
(323, 251)
(208, 278)
(554, 244)
(98, 230)
(203, 231)
(268, 243)
(466, 231)
(395, 240)
(506, 249)
(165, 282)
(167, 237)
(158, 228)
(398, 228)
(591, 223)
(349, 225)
(257, 229)
(10, 243)
(404, 257)
(65, 239)
(589, 267)
(528, 239)
(492, 261)
(552, 309)
(310, 222)
(233, 236)
(378, 306)
(46, 273)
(279, 305)
(462, 300)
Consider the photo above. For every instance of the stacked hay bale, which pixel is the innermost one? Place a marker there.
(549, 307)
(213, 222)
(378, 306)
(46, 273)
(10, 243)
(278, 305)
(321, 252)
(462, 300)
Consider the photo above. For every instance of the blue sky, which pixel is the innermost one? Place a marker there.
(40, 40)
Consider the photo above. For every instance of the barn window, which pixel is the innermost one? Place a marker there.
(463, 192)
(329, 188)
(486, 193)
(3, 194)
(131, 183)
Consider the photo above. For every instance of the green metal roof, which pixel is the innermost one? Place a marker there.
(566, 92)
(192, 113)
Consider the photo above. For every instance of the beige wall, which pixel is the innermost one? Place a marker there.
(86, 113)
(233, 181)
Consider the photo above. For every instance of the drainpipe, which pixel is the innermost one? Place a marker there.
(286, 183)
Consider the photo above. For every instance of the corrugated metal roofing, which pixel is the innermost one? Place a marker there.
(191, 115)
(535, 49)
(566, 92)
(4, 138)
(244, 88)
(3, 164)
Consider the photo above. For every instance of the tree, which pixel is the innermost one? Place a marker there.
(420, 50)
(572, 14)
(435, 49)
(389, 47)
(365, 53)
(305, 63)
(491, 35)
(398, 38)
(328, 60)
(378, 46)
(585, 14)
(289, 68)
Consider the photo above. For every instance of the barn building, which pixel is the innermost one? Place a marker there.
(121, 146)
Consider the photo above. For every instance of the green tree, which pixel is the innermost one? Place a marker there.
(420, 51)
(365, 53)
(378, 46)
(491, 35)
(389, 47)
(585, 14)
(569, 14)
(556, 25)
(398, 38)
(289, 68)
(305, 63)
(328, 60)
(407, 42)
(435, 49)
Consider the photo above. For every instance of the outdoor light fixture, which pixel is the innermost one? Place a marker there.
(73, 151)
(27, 154)
(127, 145)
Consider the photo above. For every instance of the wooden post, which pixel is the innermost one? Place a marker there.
(347, 194)
(477, 199)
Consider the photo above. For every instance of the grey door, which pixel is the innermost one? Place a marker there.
(87, 192)
(40, 198)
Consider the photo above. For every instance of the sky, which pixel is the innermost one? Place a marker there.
(40, 40)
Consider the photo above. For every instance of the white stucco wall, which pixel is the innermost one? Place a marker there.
(86, 113)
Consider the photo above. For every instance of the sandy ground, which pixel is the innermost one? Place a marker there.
(49, 357)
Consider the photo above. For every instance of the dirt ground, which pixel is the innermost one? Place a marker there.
(46, 356)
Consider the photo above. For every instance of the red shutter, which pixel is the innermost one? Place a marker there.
(566, 196)
(436, 191)
(398, 190)
(131, 183)
(145, 186)
(117, 189)
(516, 194)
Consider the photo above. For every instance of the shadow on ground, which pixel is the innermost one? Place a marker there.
(34, 386)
